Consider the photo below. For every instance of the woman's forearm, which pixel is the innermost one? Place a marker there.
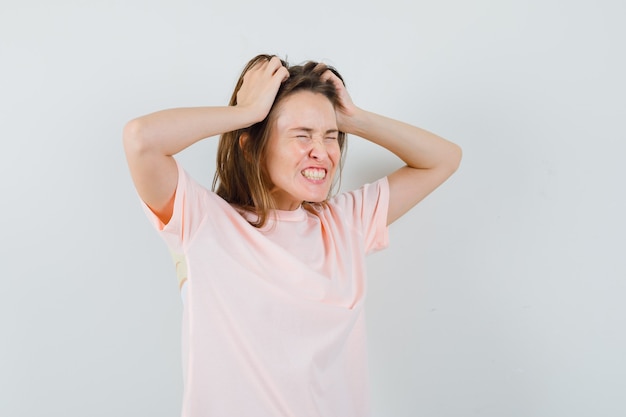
(417, 147)
(168, 132)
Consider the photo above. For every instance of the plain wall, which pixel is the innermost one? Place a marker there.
(502, 293)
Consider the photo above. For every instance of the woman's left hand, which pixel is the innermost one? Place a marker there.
(347, 110)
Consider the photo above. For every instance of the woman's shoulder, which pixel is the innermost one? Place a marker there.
(368, 192)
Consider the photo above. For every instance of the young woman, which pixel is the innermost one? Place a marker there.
(271, 265)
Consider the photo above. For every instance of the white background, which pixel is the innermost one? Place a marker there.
(502, 294)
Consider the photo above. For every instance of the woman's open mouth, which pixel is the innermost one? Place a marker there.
(315, 174)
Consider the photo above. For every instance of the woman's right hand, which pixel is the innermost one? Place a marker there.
(260, 85)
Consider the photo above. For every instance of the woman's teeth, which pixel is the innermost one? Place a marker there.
(314, 173)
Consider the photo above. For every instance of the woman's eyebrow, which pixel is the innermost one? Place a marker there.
(310, 130)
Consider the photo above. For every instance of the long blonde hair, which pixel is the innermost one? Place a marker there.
(241, 175)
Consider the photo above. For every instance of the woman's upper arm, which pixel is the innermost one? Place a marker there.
(155, 175)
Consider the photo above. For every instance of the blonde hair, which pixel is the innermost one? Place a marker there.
(241, 175)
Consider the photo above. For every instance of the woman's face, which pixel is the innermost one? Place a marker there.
(303, 150)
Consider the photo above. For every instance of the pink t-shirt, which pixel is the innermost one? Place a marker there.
(273, 318)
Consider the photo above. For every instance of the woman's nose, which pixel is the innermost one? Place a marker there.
(318, 149)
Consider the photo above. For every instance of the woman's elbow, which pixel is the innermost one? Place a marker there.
(133, 137)
(458, 155)
(453, 158)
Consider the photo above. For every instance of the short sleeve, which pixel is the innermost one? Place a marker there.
(366, 210)
(190, 208)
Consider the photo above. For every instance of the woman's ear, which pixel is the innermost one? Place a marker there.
(243, 138)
